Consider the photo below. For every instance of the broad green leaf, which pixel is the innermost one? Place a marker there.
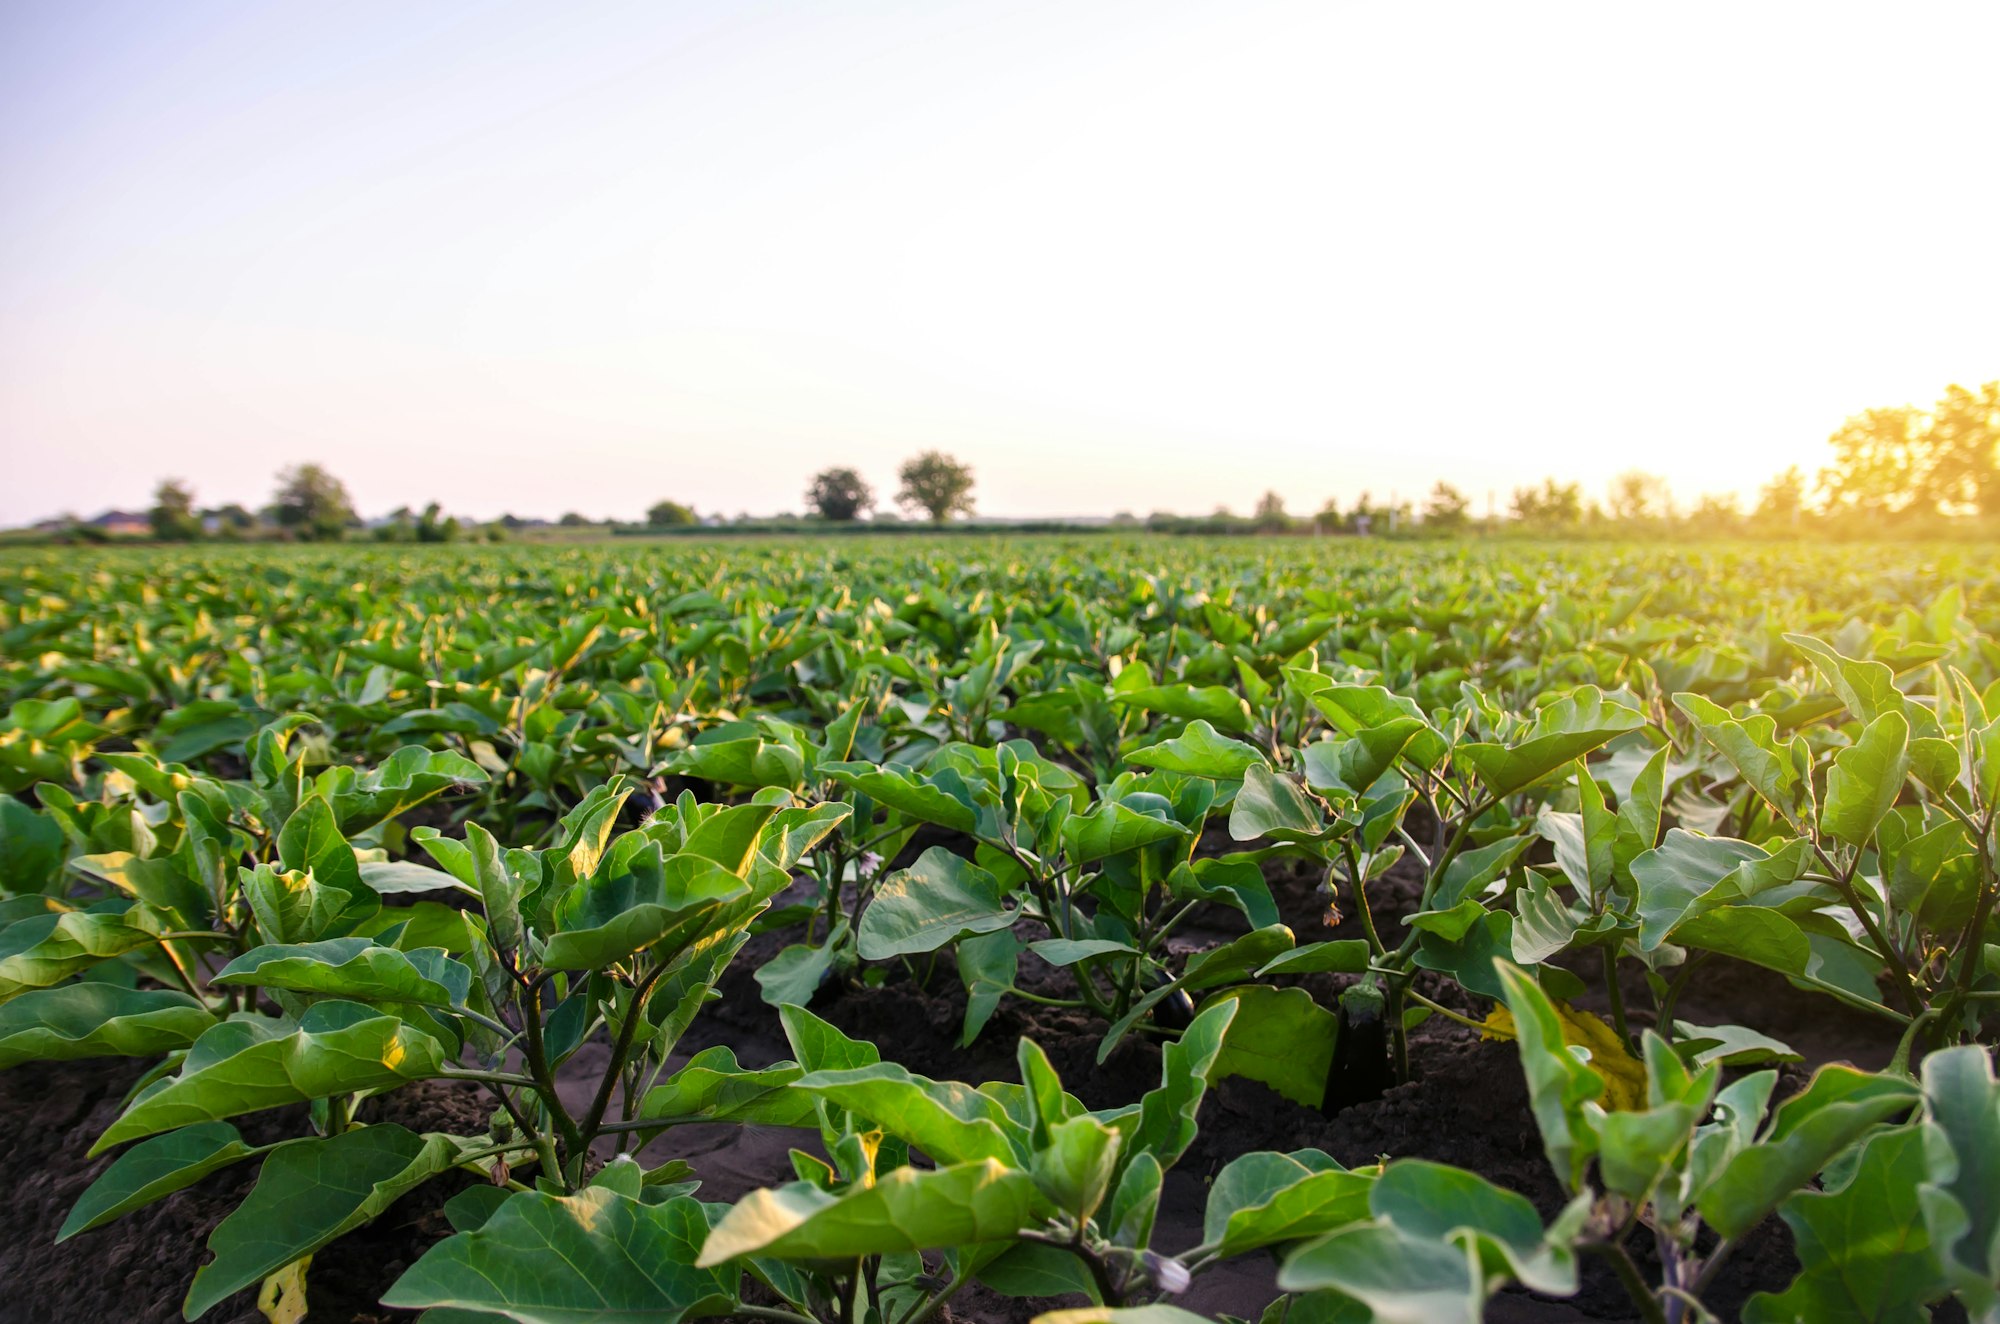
(713, 1088)
(154, 1169)
(1751, 744)
(939, 899)
(44, 950)
(1836, 1108)
(1114, 828)
(610, 916)
(1271, 805)
(820, 1047)
(1265, 1199)
(905, 794)
(1199, 751)
(949, 1121)
(1567, 729)
(1865, 780)
(1559, 1084)
(1346, 956)
(95, 1019)
(905, 1210)
(589, 1258)
(390, 877)
(31, 847)
(307, 1194)
(1353, 709)
(252, 1063)
(752, 761)
(1961, 1197)
(1221, 707)
(1401, 1278)
(1166, 1121)
(1280, 1037)
(1864, 1251)
(354, 968)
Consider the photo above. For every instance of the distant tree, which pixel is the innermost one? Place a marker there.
(1783, 500)
(1446, 508)
(1270, 516)
(1637, 496)
(937, 485)
(1716, 513)
(572, 520)
(1962, 451)
(172, 515)
(312, 503)
(840, 495)
(435, 526)
(1553, 505)
(1877, 463)
(663, 514)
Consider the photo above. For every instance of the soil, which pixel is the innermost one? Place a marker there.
(1466, 1104)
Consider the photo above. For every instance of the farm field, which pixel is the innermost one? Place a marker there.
(896, 930)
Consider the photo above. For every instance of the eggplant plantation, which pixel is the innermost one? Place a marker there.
(1022, 891)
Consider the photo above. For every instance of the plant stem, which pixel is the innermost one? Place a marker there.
(1615, 993)
(1629, 1278)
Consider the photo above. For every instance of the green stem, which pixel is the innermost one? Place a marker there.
(1615, 993)
(1629, 1278)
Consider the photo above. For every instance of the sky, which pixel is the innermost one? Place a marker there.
(541, 257)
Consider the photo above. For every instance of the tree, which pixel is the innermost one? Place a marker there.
(312, 503)
(1637, 495)
(1877, 463)
(1447, 508)
(664, 514)
(230, 521)
(839, 495)
(1962, 445)
(1553, 505)
(1716, 513)
(1783, 500)
(1270, 514)
(172, 515)
(434, 526)
(572, 520)
(936, 484)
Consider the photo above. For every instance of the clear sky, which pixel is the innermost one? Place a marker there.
(584, 254)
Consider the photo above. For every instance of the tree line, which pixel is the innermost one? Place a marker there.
(1892, 471)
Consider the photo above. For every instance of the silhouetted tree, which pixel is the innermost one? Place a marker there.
(311, 503)
(172, 515)
(662, 514)
(839, 495)
(1446, 508)
(936, 484)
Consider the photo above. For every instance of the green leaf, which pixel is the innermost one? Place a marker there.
(389, 877)
(31, 847)
(1751, 744)
(1265, 1199)
(1221, 707)
(308, 1193)
(1166, 1123)
(1346, 956)
(905, 1210)
(500, 887)
(1271, 805)
(311, 842)
(1865, 780)
(1961, 1198)
(751, 761)
(794, 974)
(1353, 709)
(252, 1063)
(96, 1019)
(949, 1121)
(1200, 751)
(1835, 1109)
(905, 794)
(1559, 1084)
(939, 899)
(1114, 828)
(154, 1169)
(820, 1047)
(589, 1258)
(987, 964)
(44, 950)
(653, 901)
(353, 968)
(1567, 729)
(1864, 1250)
(1401, 1278)
(713, 1088)
(1068, 951)
(1281, 1037)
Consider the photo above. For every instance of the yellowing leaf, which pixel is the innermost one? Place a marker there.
(1624, 1075)
(282, 1298)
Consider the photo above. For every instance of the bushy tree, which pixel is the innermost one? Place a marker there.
(1637, 496)
(1271, 515)
(1877, 463)
(1446, 508)
(839, 495)
(666, 514)
(435, 526)
(1783, 500)
(172, 515)
(572, 520)
(312, 503)
(936, 484)
(1553, 505)
(1962, 451)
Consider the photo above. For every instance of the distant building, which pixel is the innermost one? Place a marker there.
(122, 522)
